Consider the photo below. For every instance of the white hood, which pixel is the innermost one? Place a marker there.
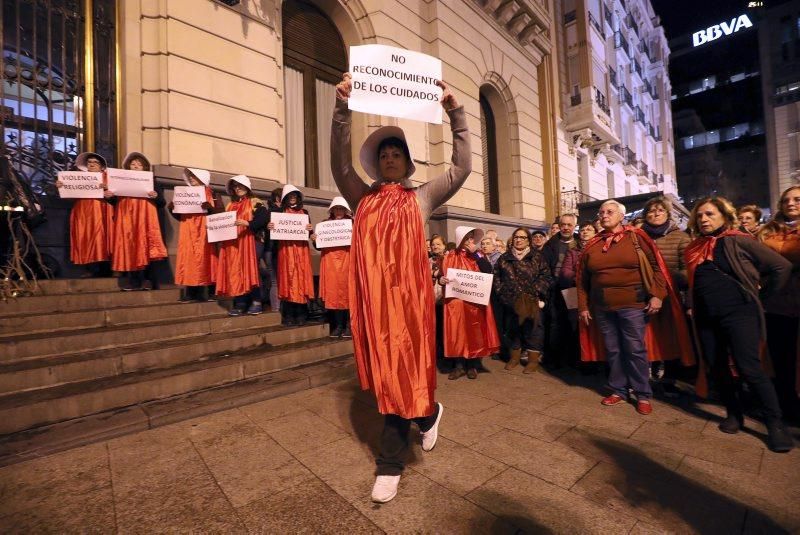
(200, 174)
(461, 233)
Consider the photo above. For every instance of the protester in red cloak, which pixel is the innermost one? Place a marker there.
(334, 275)
(295, 277)
(729, 275)
(196, 262)
(91, 221)
(138, 232)
(237, 269)
(470, 332)
(665, 335)
(391, 297)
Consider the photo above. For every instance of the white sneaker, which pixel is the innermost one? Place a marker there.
(429, 437)
(385, 488)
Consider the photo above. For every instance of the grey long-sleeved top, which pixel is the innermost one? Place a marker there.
(430, 195)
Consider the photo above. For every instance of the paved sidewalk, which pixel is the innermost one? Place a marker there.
(530, 453)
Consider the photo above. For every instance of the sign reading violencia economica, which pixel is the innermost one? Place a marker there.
(396, 83)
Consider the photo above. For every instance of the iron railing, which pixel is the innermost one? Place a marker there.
(601, 100)
(45, 118)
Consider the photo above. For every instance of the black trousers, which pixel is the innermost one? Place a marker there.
(737, 333)
(782, 332)
(394, 441)
(529, 335)
(499, 315)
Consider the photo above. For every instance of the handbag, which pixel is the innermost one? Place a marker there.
(645, 267)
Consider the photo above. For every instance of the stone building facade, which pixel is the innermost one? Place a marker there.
(249, 89)
(615, 128)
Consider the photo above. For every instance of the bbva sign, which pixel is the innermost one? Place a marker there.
(723, 28)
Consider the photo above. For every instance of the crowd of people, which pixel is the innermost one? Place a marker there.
(648, 298)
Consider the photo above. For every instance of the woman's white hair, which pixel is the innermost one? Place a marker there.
(619, 205)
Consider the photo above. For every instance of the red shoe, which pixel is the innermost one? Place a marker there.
(644, 407)
(613, 399)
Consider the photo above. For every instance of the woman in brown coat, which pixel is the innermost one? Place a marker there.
(522, 281)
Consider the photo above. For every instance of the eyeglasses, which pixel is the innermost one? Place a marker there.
(606, 212)
(520, 237)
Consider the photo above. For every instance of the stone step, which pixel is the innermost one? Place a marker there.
(18, 348)
(77, 286)
(61, 369)
(47, 406)
(46, 440)
(51, 304)
(103, 317)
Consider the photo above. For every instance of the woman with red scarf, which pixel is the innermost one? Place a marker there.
(237, 268)
(295, 277)
(391, 296)
(628, 308)
(729, 275)
(334, 275)
(138, 232)
(91, 221)
(469, 329)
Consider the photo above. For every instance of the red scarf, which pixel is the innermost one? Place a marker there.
(702, 250)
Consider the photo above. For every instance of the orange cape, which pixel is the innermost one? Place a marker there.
(196, 264)
(391, 298)
(334, 273)
(295, 277)
(91, 230)
(667, 334)
(469, 329)
(138, 235)
(237, 269)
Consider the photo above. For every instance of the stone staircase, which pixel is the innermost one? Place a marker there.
(84, 351)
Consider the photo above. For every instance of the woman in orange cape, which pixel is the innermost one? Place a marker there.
(391, 297)
(667, 335)
(91, 221)
(196, 264)
(237, 268)
(334, 274)
(469, 329)
(295, 277)
(138, 232)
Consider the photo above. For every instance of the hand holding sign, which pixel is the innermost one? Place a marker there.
(335, 233)
(80, 185)
(394, 82)
(221, 227)
(128, 183)
(188, 200)
(472, 286)
(288, 226)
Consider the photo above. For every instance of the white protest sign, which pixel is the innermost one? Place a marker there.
(188, 200)
(472, 286)
(570, 297)
(80, 185)
(336, 233)
(127, 183)
(221, 227)
(289, 226)
(395, 82)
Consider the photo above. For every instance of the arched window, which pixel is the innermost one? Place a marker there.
(498, 187)
(314, 59)
(489, 151)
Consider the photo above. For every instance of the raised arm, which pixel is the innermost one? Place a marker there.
(351, 186)
(436, 192)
